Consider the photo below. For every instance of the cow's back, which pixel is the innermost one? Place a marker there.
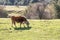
(18, 18)
(21, 19)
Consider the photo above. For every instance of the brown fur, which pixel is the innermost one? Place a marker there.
(19, 19)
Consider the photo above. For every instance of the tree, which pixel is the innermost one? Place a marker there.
(36, 10)
(57, 7)
(3, 13)
(41, 10)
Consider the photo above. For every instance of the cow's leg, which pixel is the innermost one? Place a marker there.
(14, 24)
(20, 25)
(24, 24)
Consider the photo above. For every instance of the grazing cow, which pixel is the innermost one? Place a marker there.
(19, 19)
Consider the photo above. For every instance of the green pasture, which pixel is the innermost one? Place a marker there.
(39, 30)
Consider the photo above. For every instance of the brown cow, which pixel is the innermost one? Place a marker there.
(19, 19)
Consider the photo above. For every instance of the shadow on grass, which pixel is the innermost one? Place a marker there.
(23, 28)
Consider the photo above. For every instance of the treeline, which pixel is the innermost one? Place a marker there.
(42, 9)
(18, 2)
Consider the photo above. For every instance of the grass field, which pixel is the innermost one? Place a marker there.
(40, 30)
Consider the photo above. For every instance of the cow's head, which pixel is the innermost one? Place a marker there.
(27, 23)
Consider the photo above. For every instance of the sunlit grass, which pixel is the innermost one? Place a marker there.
(40, 30)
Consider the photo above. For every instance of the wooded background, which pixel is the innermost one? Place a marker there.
(36, 9)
